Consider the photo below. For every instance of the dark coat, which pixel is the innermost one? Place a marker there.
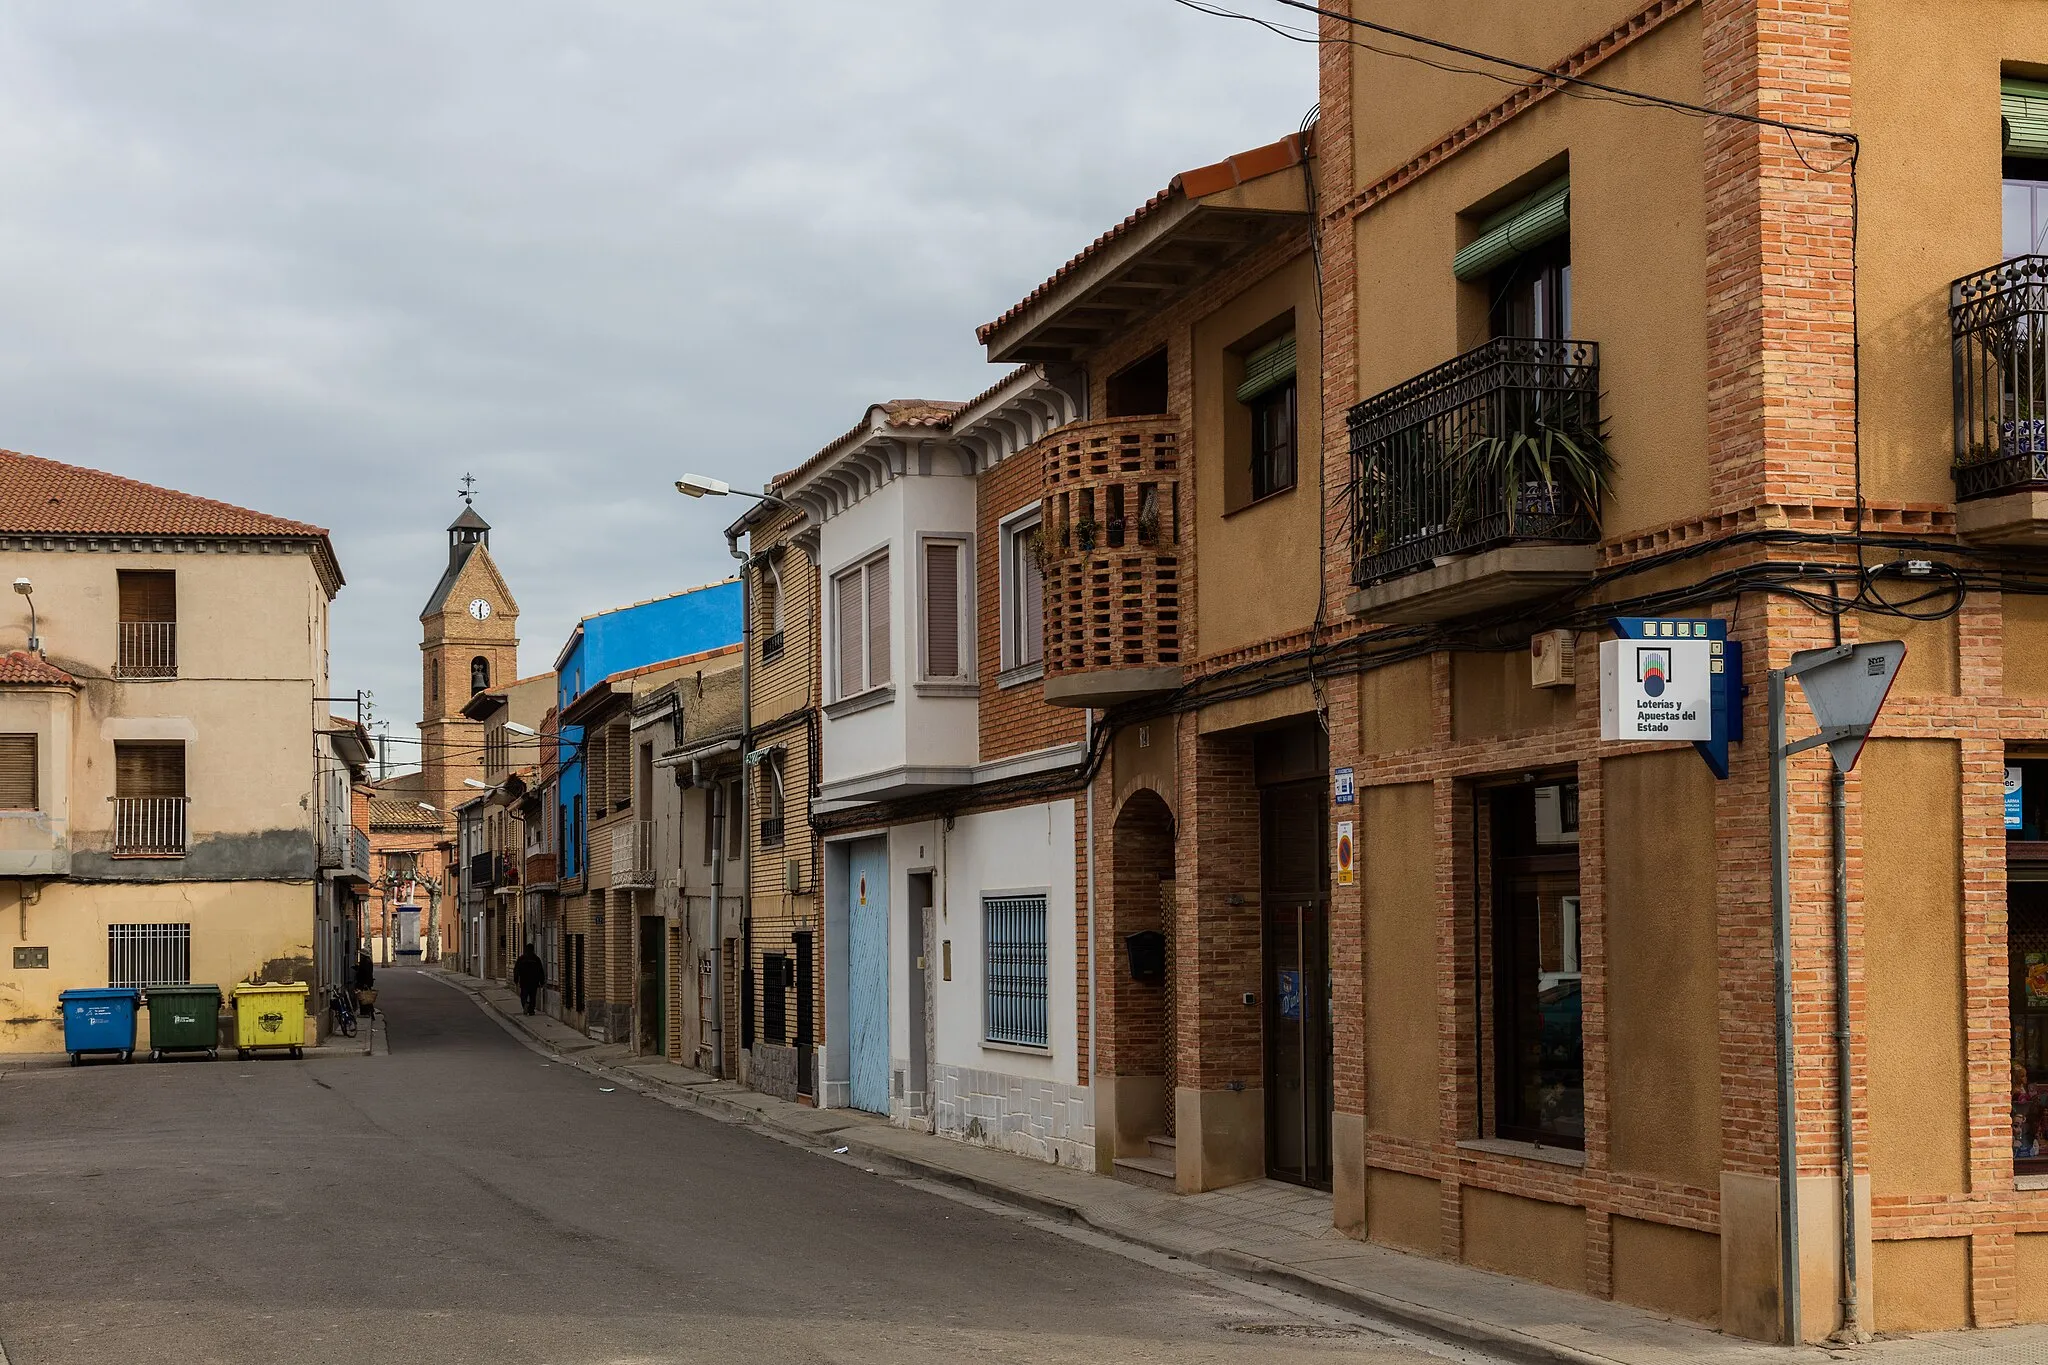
(528, 973)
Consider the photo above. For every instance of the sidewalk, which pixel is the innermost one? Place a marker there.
(1265, 1231)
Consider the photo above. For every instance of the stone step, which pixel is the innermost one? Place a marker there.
(1151, 1171)
(1163, 1146)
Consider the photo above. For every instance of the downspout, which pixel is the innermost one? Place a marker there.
(715, 794)
(1094, 1006)
(746, 562)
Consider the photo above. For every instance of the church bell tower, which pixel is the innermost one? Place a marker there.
(468, 643)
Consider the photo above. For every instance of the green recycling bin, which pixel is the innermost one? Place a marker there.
(184, 1019)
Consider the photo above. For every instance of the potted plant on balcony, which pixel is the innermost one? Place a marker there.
(1084, 535)
(1550, 470)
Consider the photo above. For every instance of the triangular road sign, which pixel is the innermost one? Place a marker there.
(1846, 690)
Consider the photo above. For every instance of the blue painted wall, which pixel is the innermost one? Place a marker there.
(615, 641)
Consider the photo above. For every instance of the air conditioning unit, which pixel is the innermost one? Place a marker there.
(1553, 659)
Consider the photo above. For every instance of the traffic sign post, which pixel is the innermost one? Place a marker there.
(1845, 687)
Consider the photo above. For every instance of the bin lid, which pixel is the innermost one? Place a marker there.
(271, 988)
(195, 988)
(100, 993)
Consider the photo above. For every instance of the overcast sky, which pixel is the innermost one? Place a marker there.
(322, 259)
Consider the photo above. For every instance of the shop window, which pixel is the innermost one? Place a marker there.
(2027, 959)
(1539, 1093)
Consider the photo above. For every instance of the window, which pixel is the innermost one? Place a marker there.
(149, 800)
(1539, 1091)
(402, 866)
(1013, 940)
(18, 772)
(861, 616)
(708, 797)
(574, 850)
(769, 587)
(149, 955)
(735, 821)
(946, 650)
(1532, 294)
(1267, 392)
(148, 644)
(2027, 965)
(434, 684)
(479, 675)
(1138, 389)
(771, 798)
(1023, 594)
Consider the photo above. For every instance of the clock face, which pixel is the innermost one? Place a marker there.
(480, 609)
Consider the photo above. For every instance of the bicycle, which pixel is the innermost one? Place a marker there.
(343, 1009)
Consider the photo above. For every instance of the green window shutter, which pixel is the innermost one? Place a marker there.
(1544, 216)
(2025, 107)
(1267, 368)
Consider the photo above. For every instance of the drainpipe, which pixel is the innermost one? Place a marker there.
(1781, 924)
(715, 794)
(1838, 819)
(1094, 1006)
(746, 563)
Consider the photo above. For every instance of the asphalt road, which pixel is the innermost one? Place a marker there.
(465, 1200)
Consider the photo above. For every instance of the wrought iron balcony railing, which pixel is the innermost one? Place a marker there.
(1998, 329)
(1428, 479)
(149, 826)
(147, 649)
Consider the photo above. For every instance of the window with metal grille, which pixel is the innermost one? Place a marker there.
(774, 998)
(17, 772)
(149, 800)
(1013, 942)
(149, 955)
(148, 645)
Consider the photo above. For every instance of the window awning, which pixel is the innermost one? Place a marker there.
(2024, 105)
(1267, 368)
(1544, 216)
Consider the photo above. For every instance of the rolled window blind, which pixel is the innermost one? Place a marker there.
(942, 609)
(148, 594)
(878, 621)
(2024, 105)
(17, 772)
(848, 601)
(1544, 216)
(1267, 368)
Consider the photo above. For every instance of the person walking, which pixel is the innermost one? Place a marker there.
(528, 974)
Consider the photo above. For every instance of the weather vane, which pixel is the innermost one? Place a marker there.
(468, 487)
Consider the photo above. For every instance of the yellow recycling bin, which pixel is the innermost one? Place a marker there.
(270, 1017)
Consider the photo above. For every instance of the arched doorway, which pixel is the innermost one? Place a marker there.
(1136, 1034)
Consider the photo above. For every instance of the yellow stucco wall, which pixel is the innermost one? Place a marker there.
(1922, 1286)
(241, 931)
(1912, 967)
(1491, 697)
(1663, 983)
(1669, 1269)
(1400, 960)
(2030, 1265)
(1638, 241)
(1396, 706)
(2026, 643)
(1526, 1237)
(1404, 1211)
(1933, 666)
(1277, 536)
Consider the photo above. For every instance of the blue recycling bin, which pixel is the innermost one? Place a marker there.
(100, 1021)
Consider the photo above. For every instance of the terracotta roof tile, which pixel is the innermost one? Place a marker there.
(22, 666)
(386, 814)
(899, 412)
(43, 496)
(1195, 184)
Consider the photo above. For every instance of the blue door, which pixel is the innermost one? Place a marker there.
(867, 974)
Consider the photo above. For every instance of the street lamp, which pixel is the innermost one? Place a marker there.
(523, 731)
(704, 486)
(28, 590)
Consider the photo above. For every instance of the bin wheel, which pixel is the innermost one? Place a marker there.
(128, 1055)
(213, 1054)
(156, 1054)
(297, 1053)
(242, 1053)
(74, 1059)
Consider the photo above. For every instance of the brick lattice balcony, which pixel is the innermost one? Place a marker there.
(1110, 542)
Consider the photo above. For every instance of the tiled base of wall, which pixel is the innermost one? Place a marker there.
(772, 1070)
(1043, 1120)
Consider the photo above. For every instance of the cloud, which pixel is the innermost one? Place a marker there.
(322, 260)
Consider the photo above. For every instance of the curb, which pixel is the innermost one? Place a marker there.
(1448, 1328)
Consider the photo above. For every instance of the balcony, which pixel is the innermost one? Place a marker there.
(540, 871)
(1111, 553)
(147, 649)
(771, 831)
(1998, 331)
(149, 826)
(633, 853)
(1451, 514)
(346, 854)
(483, 871)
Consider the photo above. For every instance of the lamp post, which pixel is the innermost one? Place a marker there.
(702, 486)
(28, 589)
